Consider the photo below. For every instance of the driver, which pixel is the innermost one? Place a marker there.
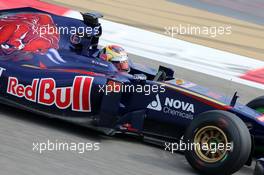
(117, 55)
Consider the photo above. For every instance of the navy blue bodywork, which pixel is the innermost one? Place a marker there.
(164, 114)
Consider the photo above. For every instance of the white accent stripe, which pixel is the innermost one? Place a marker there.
(51, 58)
(57, 55)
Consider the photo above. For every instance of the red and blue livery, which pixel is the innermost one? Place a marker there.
(58, 75)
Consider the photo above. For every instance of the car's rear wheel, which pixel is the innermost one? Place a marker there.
(219, 143)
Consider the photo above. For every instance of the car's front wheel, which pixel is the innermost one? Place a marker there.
(257, 104)
(219, 143)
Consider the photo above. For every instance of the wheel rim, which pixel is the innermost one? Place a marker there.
(261, 110)
(206, 136)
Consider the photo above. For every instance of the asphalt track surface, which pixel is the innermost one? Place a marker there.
(243, 9)
(117, 155)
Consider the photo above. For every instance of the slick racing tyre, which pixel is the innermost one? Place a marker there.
(219, 143)
(257, 104)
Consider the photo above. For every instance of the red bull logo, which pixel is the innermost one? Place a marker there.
(44, 91)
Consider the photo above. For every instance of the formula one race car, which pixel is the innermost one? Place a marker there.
(56, 74)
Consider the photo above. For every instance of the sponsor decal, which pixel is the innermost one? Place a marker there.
(44, 91)
(177, 104)
(173, 107)
(99, 63)
(155, 104)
